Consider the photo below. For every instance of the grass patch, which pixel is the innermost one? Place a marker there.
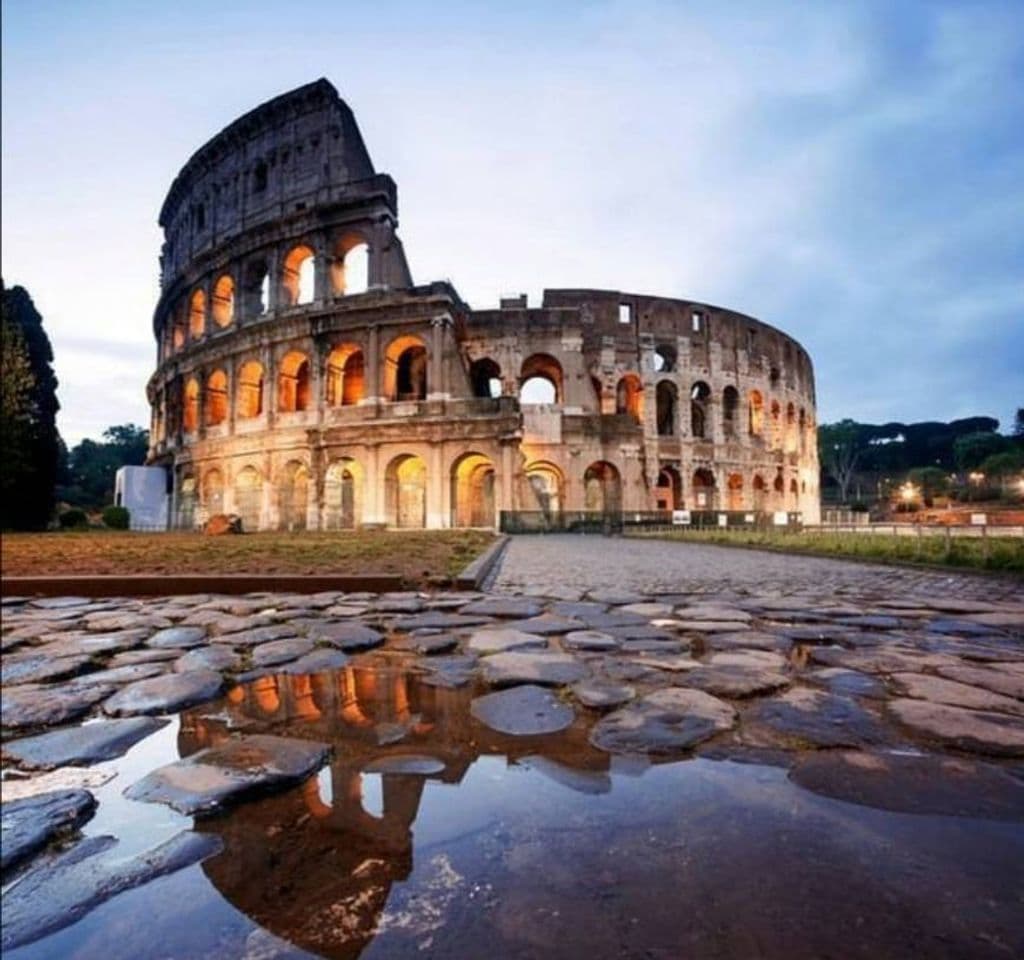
(417, 556)
(1005, 554)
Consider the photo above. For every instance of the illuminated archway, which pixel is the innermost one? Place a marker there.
(546, 483)
(190, 409)
(345, 380)
(197, 315)
(222, 305)
(756, 413)
(343, 495)
(629, 397)
(216, 398)
(602, 488)
(405, 487)
(293, 389)
(350, 267)
(735, 492)
(249, 392)
(540, 380)
(293, 496)
(405, 369)
(472, 480)
(249, 497)
(704, 489)
(669, 491)
(297, 275)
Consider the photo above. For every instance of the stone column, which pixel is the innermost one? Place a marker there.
(436, 519)
(321, 274)
(372, 391)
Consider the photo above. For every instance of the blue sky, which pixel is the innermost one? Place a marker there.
(850, 172)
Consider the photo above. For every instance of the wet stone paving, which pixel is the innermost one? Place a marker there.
(617, 751)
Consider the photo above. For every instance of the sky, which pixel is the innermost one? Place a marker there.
(852, 173)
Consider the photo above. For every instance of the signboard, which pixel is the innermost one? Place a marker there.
(681, 516)
(780, 518)
(979, 519)
(723, 519)
(748, 518)
(702, 499)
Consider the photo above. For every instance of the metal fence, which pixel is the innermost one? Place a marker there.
(585, 521)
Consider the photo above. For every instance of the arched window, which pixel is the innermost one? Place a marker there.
(540, 380)
(293, 383)
(756, 413)
(350, 268)
(256, 288)
(472, 482)
(700, 394)
(759, 491)
(664, 358)
(293, 496)
(405, 485)
(197, 315)
(730, 406)
(629, 397)
(216, 398)
(704, 489)
(297, 275)
(666, 397)
(346, 376)
(669, 492)
(776, 427)
(405, 369)
(485, 377)
(249, 497)
(602, 488)
(190, 412)
(179, 329)
(222, 305)
(343, 486)
(780, 483)
(545, 482)
(735, 484)
(249, 392)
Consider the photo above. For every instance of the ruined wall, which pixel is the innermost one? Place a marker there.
(304, 381)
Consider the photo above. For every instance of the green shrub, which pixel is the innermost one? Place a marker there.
(73, 519)
(117, 518)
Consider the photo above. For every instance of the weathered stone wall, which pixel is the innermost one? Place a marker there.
(301, 392)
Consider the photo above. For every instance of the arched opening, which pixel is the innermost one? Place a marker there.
(405, 369)
(629, 397)
(791, 436)
(248, 497)
(216, 398)
(197, 315)
(704, 489)
(776, 426)
(343, 495)
(485, 377)
(700, 393)
(249, 392)
(803, 430)
(405, 483)
(735, 491)
(602, 488)
(293, 383)
(779, 486)
(664, 358)
(794, 494)
(297, 275)
(669, 491)
(293, 496)
(540, 380)
(213, 492)
(546, 482)
(186, 519)
(759, 492)
(190, 410)
(345, 378)
(222, 303)
(256, 288)
(730, 407)
(666, 400)
(473, 491)
(756, 413)
(350, 268)
(179, 330)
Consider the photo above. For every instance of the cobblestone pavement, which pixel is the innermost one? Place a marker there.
(573, 562)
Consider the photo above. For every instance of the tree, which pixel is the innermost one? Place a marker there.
(932, 481)
(971, 449)
(838, 450)
(1004, 464)
(31, 443)
(92, 465)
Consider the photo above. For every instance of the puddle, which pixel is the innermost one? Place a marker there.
(524, 847)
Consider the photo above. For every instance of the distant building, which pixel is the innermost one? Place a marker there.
(305, 381)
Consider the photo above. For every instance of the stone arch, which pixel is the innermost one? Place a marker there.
(343, 495)
(794, 493)
(602, 488)
(776, 425)
(405, 487)
(179, 329)
(249, 497)
(669, 491)
(345, 376)
(759, 492)
(222, 303)
(197, 315)
(292, 496)
(730, 408)
(485, 377)
(544, 368)
(666, 398)
(256, 287)
(665, 358)
(704, 489)
(187, 502)
(547, 484)
(405, 369)
(734, 487)
(792, 441)
(779, 485)
(350, 266)
(190, 408)
(298, 275)
(213, 492)
(216, 398)
(700, 394)
(472, 479)
(629, 397)
(756, 407)
(249, 392)
(293, 383)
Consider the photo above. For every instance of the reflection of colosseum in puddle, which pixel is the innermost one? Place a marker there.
(313, 865)
(304, 381)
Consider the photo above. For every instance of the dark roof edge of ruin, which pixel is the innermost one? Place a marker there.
(321, 88)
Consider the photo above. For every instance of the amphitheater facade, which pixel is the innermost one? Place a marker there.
(305, 382)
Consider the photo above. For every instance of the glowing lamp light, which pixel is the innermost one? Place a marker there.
(908, 492)
(976, 477)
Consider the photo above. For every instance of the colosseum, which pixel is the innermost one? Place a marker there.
(305, 382)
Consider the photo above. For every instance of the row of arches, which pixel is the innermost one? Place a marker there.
(706, 495)
(260, 288)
